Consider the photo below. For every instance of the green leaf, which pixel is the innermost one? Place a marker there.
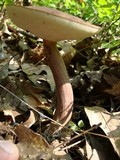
(81, 124)
(73, 126)
(8, 2)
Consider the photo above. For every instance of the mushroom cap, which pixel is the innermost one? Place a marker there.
(51, 24)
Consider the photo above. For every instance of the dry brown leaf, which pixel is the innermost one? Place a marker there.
(115, 85)
(110, 79)
(67, 52)
(32, 145)
(9, 113)
(7, 133)
(58, 153)
(37, 101)
(91, 153)
(4, 70)
(110, 124)
(34, 73)
(4, 129)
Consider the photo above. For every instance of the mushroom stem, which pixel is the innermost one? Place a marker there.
(64, 90)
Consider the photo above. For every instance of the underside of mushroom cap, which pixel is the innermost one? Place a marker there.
(51, 24)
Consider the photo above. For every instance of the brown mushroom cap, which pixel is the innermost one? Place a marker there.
(51, 24)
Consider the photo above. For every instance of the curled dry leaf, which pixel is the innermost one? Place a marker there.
(31, 120)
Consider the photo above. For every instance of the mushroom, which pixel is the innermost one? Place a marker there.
(52, 26)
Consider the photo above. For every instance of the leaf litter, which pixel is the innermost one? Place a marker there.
(25, 73)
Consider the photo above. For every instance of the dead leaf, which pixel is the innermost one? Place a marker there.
(4, 129)
(37, 73)
(3, 55)
(67, 52)
(58, 153)
(31, 145)
(110, 124)
(31, 120)
(9, 113)
(5, 28)
(23, 45)
(13, 64)
(4, 70)
(115, 85)
(37, 101)
(91, 153)
(94, 75)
